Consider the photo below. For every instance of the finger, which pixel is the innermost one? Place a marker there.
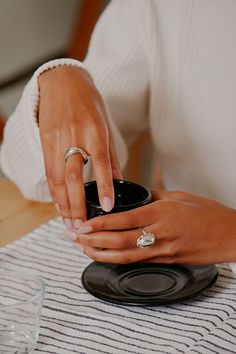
(122, 247)
(125, 220)
(103, 175)
(47, 153)
(48, 173)
(115, 165)
(75, 189)
(53, 194)
(182, 196)
(59, 183)
(161, 252)
(165, 260)
(62, 196)
(52, 190)
(118, 256)
(119, 240)
(111, 240)
(54, 167)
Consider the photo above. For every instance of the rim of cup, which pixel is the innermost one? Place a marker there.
(24, 276)
(98, 206)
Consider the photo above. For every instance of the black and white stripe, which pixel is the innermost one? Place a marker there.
(75, 322)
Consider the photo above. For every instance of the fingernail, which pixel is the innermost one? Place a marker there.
(71, 235)
(79, 246)
(106, 204)
(68, 223)
(85, 230)
(57, 207)
(77, 223)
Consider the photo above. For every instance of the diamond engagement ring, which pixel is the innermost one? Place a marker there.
(147, 239)
(76, 150)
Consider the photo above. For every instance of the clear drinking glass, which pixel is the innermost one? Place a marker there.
(21, 298)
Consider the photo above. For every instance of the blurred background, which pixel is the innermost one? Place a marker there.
(31, 31)
(35, 31)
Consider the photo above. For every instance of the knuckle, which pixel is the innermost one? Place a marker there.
(48, 173)
(65, 214)
(64, 209)
(121, 242)
(57, 178)
(90, 241)
(101, 224)
(131, 220)
(73, 175)
(171, 250)
(76, 210)
(95, 255)
(98, 223)
(76, 215)
(101, 159)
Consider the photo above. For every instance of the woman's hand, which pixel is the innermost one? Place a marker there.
(188, 229)
(72, 113)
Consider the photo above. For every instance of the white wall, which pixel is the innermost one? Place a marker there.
(31, 30)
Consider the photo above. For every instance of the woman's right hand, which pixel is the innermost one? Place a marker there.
(72, 113)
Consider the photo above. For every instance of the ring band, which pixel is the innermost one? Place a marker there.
(147, 239)
(76, 150)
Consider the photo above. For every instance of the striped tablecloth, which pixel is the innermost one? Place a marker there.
(73, 321)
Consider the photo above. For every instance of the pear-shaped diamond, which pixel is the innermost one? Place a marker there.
(145, 240)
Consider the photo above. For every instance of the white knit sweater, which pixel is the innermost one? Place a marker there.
(167, 65)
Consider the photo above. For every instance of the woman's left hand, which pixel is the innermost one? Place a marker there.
(188, 229)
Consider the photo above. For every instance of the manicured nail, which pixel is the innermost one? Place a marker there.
(68, 223)
(106, 204)
(71, 235)
(85, 230)
(77, 223)
(57, 207)
(79, 246)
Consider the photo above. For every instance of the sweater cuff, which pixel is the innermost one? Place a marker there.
(32, 89)
(29, 104)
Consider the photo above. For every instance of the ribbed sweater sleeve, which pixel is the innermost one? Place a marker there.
(117, 63)
(21, 153)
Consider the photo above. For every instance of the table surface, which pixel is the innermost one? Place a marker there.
(19, 216)
(73, 321)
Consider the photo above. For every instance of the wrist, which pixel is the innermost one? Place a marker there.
(64, 71)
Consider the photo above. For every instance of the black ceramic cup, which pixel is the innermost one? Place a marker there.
(128, 195)
(140, 284)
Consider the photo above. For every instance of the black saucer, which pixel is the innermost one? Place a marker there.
(141, 284)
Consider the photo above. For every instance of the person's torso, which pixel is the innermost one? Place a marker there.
(192, 55)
